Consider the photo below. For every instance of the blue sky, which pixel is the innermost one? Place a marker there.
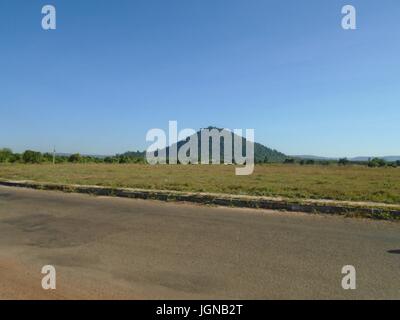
(115, 69)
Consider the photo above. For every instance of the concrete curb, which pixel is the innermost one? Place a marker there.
(387, 212)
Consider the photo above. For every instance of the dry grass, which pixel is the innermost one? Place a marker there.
(355, 183)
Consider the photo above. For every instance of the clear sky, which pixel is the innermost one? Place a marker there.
(115, 69)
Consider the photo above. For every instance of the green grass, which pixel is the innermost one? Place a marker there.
(354, 183)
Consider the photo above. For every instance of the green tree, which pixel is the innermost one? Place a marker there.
(30, 156)
(343, 161)
(124, 159)
(61, 159)
(376, 162)
(76, 157)
(111, 160)
(5, 155)
(16, 157)
(47, 157)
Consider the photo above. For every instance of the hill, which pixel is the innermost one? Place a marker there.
(261, 152)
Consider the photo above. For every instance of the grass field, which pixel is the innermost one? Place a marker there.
(355, 183)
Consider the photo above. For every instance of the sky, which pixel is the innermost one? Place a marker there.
(113, 70)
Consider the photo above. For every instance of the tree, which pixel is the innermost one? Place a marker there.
(76, 157)
(61, 159)
(343, 161)
(15, 157)
(124, 159)
(376, 162)
(30, 156)
(5, 155)
(111, 160)
(47, 157)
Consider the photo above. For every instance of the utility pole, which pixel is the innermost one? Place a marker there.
(54, 155)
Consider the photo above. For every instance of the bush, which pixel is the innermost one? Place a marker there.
(30, 156)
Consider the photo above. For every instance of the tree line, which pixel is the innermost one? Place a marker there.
(372, 163)
(30, 156)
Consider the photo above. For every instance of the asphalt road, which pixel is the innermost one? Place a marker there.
(135, 249)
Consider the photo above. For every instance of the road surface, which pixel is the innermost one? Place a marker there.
(113, 248)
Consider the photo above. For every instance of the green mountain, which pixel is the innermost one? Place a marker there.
(261, 153)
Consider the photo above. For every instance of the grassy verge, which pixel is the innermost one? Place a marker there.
(352, 183)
